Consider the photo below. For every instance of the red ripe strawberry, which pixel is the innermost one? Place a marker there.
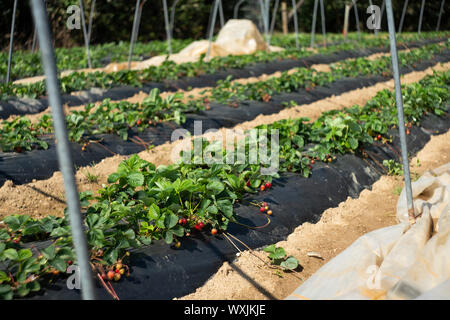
(139, 122)
(248, 183)
(313, 161)
(262, 209)
(268, 185)
(379, 137)
(110, 275)
(201, 224)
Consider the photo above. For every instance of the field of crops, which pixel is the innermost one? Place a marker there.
(149, 218)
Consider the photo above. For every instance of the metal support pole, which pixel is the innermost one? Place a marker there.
(274, 18)
(33, 45)
(236, 9)
(138, 23)
(422, 8)
(63, 149)
(324, 31)
(172, 17)
(440, 15)
(383, 7)
(11, 42)
(314, 21)
(133, 32)
(211, 28)
(355, 6)
(86, 42)
(265, 17)
(221, 15)
(91, 18)
(405, 7)
(399, 99)
(166, 21)
(294, 5)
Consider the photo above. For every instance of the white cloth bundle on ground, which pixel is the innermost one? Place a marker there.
(396, 262)
(237, 37)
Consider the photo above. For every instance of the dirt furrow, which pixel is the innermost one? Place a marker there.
(337, 229)
(46, 197)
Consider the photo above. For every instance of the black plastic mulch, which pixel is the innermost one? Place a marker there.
(23, 106)
(41, 164)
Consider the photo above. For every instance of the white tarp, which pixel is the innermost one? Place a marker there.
(237, 37)
(397, 262)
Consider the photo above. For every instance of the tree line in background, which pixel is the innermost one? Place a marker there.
(113, 19)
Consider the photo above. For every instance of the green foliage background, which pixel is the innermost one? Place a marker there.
(114, 19)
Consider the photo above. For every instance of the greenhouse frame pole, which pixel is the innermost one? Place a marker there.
(133, 32)
(383, 7)
(166, 22)
(265, 17)
(294, 5)
(314, 21)
(357, 19)
(440, 15)
(63, 149)
(236, 8)
(11, 42)
(405, 6)
(86, 42)
(399, 101)
(172, 17)
(422, 8)
(222, 16)
(33, 45)
(91, 18)
(324, 31)
(138, 24)
(211, 28)
(274, 18)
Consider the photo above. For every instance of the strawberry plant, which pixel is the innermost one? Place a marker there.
(142, 203)
(170, 71)
(279, 257)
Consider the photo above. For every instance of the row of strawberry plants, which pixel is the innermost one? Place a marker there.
(28, 64)
(228, 91)
(20, 134)
(142, 203)
(170, 71)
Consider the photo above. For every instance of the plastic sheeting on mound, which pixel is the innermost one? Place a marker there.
(237, 37)
(396, 262)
